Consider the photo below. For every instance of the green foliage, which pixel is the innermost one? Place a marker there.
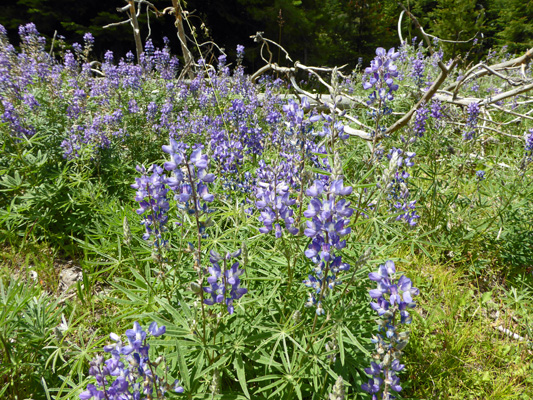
(29, 322)
(42, 195)
(456, 347)
(516, 23)
(457, 20)
(468, 254)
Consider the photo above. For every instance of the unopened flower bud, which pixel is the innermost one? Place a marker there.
(127, 231)
(337, 393)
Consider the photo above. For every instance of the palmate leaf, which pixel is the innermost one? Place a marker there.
(278, 390)
(265, 360)
(69, 389)
(11, 183)
(223, 360)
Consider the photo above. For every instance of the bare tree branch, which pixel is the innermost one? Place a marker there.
(337, 101)
(425, 98)
(178, 12)
(136, 30)
(117, 24)
(400, 26)
(515, 62)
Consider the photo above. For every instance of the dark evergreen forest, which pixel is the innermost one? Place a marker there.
(325, 32)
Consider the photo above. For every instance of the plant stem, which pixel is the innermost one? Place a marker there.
(199, 248)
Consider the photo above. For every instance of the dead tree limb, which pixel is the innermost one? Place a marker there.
(335, 99)
(134, 13)
(179, 14)
(136, 30)
(519, 62)
(425, 98)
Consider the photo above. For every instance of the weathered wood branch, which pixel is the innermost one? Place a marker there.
(521, 61)
(178, 12)
(337, 101)
(425, 98)
(134, 13)
(136, 30)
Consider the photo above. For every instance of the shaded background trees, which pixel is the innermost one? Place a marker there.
(316, 32)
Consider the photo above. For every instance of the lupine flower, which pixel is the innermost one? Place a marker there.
(417, 69)
(329, 216)
(471, 121)
(296, 122)
(407, 212)
(480, 175)
(421, 117)
(129, 373)
(274, 202)
(380, 75)
(189, 179)
(332, 127)
(394, 182)
(224, 284)
(133, 108)
(528, 147)
(391, 299)
(337, 393)
(240, 51)
(436, 109)
(153, 202)
(88, 38)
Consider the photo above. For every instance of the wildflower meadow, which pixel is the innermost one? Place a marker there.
(187, 228)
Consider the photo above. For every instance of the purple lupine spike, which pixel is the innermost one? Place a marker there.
(329, 222)
(273, 199)
(116, 381)
(392, 298)
(153, 203)
(471, 121)
(224, 287)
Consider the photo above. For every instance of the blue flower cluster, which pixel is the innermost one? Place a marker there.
(274, 202)
(129, 374)
(153, 202)
(528, 147)
(224, 283)
(296, 121)
(392, 298)
(188, 182)
(421, 116)
(329, 218)
(395, 184)
(380, 76)
(417, 69)
(472, 112)
(189, 178)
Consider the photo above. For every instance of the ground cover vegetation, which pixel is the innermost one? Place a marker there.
(297, 233)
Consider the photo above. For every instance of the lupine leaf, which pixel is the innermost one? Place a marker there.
(239, 367)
